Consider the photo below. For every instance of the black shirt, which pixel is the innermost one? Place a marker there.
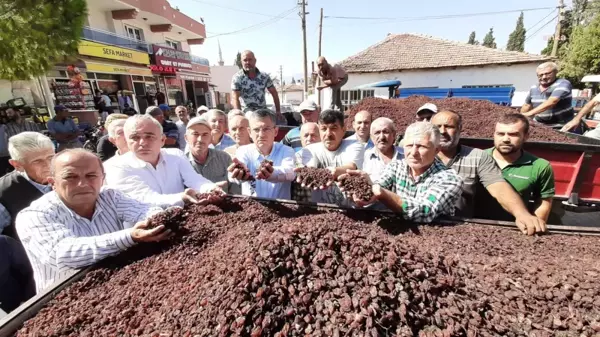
(105, 148)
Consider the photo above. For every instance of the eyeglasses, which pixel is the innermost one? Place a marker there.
(263, 130)
(545, 74)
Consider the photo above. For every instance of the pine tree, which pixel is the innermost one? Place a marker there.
(516, 39)
(36, 34)
(472, 39)
(238, 60)
(489, 40)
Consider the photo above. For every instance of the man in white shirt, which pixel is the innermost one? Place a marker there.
(270, 181)
(218, 121)
(148, 173)
(81, 223)
(335, 153)
(362, 128)
(184, 118)
(383, 134)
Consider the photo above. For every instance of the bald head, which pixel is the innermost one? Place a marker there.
(362, 125)
(239, 129)
(322, 64)
(74, 157)
(309, 134)
(248, 61)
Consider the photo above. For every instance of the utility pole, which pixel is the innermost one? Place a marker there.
(303, 17)
(281, 82)
(561, 12)
(318, 79)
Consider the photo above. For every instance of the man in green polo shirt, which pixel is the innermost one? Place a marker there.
(530, 176)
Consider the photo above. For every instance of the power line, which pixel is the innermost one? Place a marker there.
(544, 18)
(239, 10)
(539, 29)
(258, 25)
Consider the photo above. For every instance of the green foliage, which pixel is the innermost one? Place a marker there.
(516, 39)
(583, 55)
(238, 60)
(35, 34)
(567, 28)
(472, 39)
(489, 40)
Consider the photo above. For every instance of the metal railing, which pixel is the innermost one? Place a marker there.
(102, 36)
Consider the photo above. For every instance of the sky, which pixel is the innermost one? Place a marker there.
(278, 41)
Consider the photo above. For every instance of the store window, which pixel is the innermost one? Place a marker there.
(173, 44)
(138, 78)
(134, 33)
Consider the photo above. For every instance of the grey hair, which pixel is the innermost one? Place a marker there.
(421, 129)
(19, 145)
(134, 120)
(235, 112)
(113, 126)
(154, 111)
(216, 112)
(264, 113)
(384, 120)
(550, 65)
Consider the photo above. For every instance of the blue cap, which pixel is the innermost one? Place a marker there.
(60, 107)
(164, 107)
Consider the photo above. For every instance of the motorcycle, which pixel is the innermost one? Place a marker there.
(92, 136)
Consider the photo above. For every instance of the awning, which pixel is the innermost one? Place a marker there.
(107, 68)
(590, 78)
(382, 84)
(63, 65)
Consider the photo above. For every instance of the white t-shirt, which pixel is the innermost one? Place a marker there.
(316, 155)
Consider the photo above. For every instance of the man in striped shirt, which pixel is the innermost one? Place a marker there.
(550, 102)
(17, 124)
(81, 223)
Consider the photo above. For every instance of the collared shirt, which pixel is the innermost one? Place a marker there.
(292, 139)
(367, 145)
(374, 164)
(427, 196)
(252, 90)
(530, 176)
(5, 218)
(62, 126)
(225, 142)
(161, 186)
(279, 183)
(215, 166)
(477, 170)
(563, 111)
(181, 128)
(231, 150)
(58, 241)
(317, 155)
(13, 128)
(170, 130)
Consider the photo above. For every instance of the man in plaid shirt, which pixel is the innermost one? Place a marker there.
(420, 187)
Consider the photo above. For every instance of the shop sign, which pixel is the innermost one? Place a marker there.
(117, 69)
(111, 52)
(190, 77)
(161, 69)
(169, 57)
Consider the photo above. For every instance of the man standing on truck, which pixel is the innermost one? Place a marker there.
(530, 176)
(478, 170)
(250, 84)
(334, 77)
(550, 102)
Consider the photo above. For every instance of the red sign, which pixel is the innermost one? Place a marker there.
(161, 69)
(169, 57)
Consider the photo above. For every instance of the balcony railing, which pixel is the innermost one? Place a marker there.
(102, 36)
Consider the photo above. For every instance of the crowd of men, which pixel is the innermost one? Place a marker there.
(62, 212)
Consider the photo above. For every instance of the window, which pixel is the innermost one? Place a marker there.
(368, 93)
(352, 97)
(134, 33)
(172, 44)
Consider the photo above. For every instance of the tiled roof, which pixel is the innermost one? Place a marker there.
(412, 51)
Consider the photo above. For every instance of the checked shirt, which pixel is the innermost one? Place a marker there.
(427, 196)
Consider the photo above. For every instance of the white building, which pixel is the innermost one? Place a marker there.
(427, 62)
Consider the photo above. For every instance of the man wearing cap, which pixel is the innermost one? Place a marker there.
(426, 112)
(212, 164)
(310, 114)
(63, 129)
(184, 118)
(362, 128)
(201, 110)
(169, 128)
(106, 148)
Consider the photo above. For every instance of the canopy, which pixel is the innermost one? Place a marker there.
(382, 84)
(590, 78)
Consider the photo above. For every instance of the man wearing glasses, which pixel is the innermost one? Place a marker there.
(550, 102)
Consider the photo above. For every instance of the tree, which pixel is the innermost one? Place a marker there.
(238, 60)
(583, 55)
(293, 80)
(472, 39)
(36, 34)
(516, 39)
(489, 40)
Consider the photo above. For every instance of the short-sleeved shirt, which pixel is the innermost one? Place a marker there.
(317, 155)
(426, 197)
(14, 128)
(64, 126)
(563, 111)
(530, 176)
(252, 90)
(478, 170)
(215, 166)
(292, 139)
